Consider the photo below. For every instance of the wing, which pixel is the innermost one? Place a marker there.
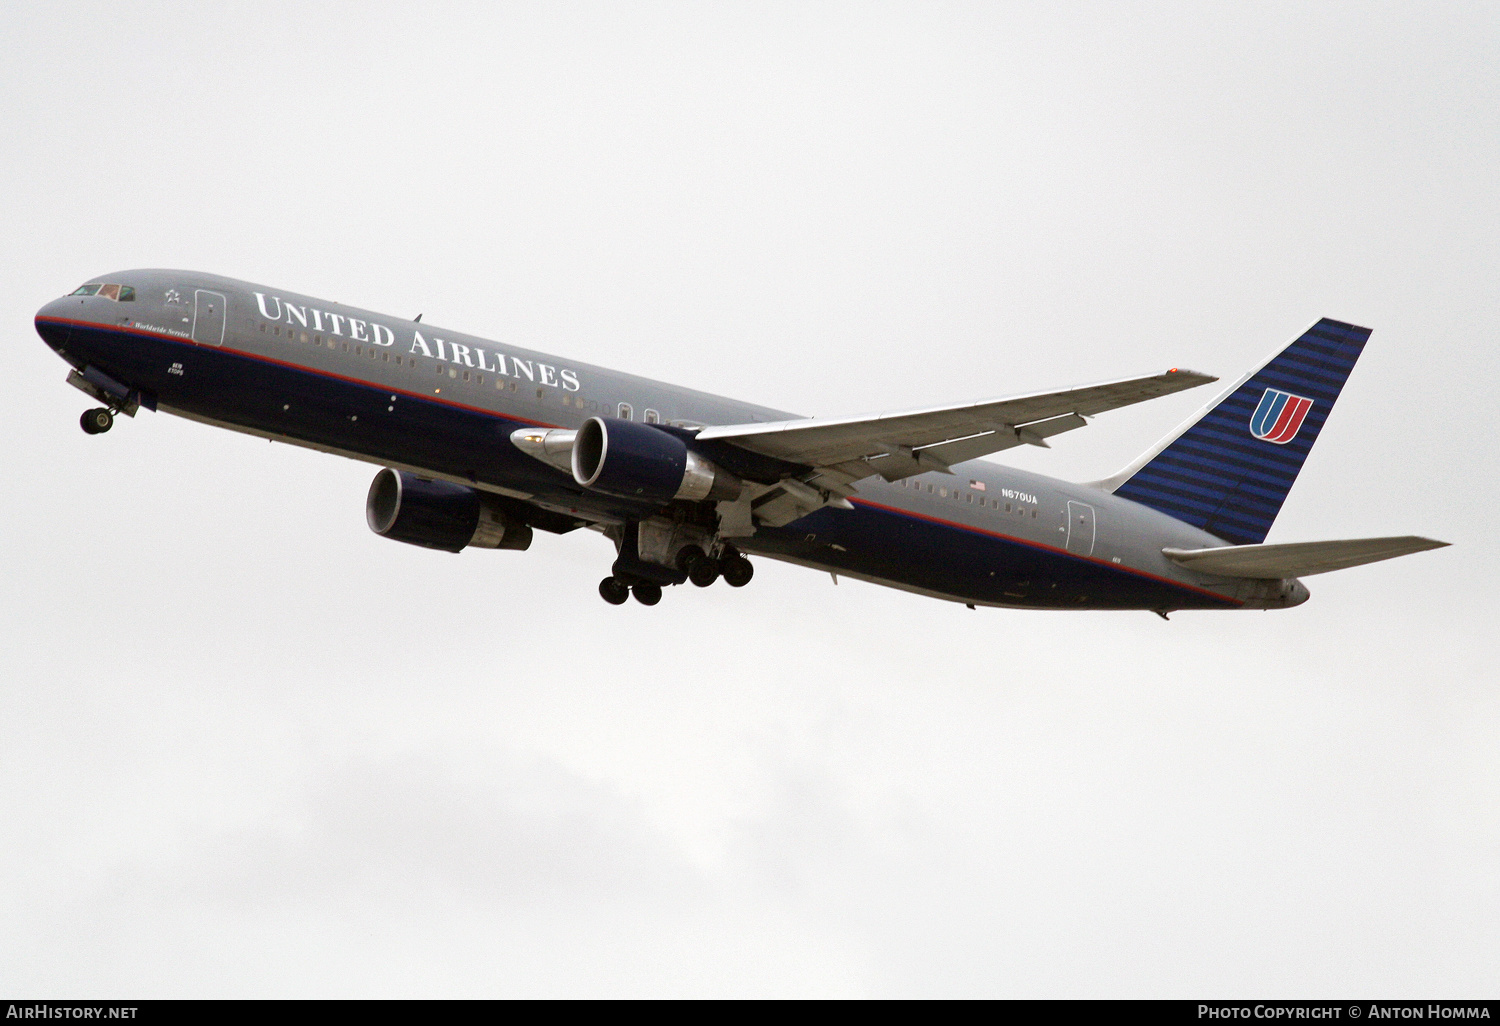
(1298, 559)
(896, 445)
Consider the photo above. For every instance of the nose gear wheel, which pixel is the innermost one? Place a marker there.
(96, 421)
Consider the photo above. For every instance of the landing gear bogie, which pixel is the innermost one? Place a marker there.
(614, 591)
(96, 421)
(646, 594)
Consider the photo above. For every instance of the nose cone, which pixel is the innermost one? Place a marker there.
(51, 321)
(54, 309)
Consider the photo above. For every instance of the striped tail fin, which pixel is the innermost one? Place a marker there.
(1229, 469)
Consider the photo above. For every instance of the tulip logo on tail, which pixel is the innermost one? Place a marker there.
(1279, 416)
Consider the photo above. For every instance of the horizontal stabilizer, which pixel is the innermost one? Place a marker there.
(1298, 559)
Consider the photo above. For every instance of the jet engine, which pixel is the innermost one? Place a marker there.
(640, 461)
(438, 515)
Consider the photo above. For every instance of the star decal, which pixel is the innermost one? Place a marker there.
(173, 296)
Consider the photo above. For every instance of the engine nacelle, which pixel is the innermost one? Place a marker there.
(639, 461)
(438, 515)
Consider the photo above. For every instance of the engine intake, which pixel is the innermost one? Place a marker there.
(639, 461)
(438, 515)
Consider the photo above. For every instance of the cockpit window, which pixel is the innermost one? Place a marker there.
(119, 293)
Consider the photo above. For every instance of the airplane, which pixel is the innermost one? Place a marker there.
(480, 443)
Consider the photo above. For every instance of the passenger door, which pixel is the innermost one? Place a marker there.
(208, 317)
(1081, 528)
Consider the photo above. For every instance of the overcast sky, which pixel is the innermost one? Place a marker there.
(249, 748)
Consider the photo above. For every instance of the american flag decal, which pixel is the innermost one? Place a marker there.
(978, 486)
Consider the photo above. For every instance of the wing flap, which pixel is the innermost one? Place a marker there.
(1297, 559)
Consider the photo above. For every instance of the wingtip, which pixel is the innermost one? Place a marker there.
(1184, 374)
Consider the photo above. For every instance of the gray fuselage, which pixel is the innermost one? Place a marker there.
(442, 403)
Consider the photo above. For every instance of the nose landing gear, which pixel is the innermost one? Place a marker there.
(96, 421)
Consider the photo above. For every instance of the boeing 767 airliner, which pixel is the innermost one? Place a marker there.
(482, 442)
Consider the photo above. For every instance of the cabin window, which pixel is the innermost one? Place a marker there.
(466, 375)
(652, 417)
(440, 370)
(453, 373)
(262, 327)
(541, 392)
(480, 378)
(305, 339)
(500, 384)
(625, 412)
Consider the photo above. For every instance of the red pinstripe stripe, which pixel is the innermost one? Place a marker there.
(1043, 546)
(377, 385)
(159, 336)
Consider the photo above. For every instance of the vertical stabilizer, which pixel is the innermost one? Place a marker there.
(1228, 470)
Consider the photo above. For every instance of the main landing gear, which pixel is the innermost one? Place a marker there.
(701, 568)
(615, 592)
(97, 421)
